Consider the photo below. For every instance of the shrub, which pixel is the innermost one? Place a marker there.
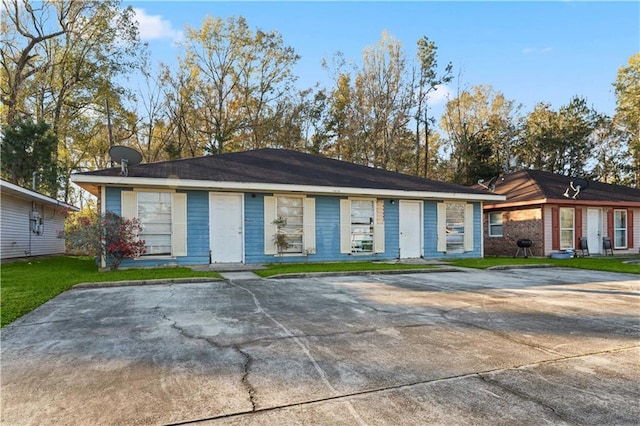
(109, 236)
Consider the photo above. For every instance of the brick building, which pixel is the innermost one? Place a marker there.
(549, 210)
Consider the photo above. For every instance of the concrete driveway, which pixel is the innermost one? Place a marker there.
(522, 346)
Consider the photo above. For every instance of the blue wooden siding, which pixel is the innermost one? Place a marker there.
(327, 231)
(391, 229)
(253, 228)
(197, 229)
(431, 232)
(113, 199)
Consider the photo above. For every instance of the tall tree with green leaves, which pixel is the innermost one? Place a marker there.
(338, 121)
(481, 126)
(179, 90)
(370, 107)
(559, 141)
(627, 89)
(611, 157)
(28, 148)
(387, 94)
(59, 64)
(240, 75)
(427, 82)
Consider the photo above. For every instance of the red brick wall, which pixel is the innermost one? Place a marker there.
(516, 225)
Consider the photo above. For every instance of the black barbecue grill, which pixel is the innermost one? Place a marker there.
(524, 244)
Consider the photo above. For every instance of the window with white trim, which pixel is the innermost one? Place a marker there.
(154, 213)
(567, 230)
(455, 221)
(495, 224)
(620, 229)
(291, 210)
(362, 226)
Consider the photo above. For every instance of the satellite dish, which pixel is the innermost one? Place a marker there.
(125, 156)
(120, 153)
(491, 185)
(577, 185)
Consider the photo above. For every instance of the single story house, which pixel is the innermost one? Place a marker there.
(30, 222)
(233, 208)
(551, 211)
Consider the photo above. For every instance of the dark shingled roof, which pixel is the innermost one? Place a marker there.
(283, 166)
(530, 185)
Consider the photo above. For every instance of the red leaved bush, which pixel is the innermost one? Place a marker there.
(109, 236)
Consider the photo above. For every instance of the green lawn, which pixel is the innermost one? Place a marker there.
(25, 285)
(298, 268)
(608, 264)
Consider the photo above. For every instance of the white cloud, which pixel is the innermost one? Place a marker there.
(154, 27)
(530, 50)
(440, 95)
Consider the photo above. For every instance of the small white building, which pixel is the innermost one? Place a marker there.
(30, 222)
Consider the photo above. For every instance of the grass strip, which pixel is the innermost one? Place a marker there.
(606, 264)
(28, 284)
(301, 268)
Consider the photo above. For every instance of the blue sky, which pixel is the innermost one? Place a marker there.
(530, 51)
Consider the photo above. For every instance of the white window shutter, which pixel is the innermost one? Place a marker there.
(269, 228)
(129, 204)
(179, 224)
(442, 227)
(378, 235)
(378, 230)
(468, 227)
(345, 226)
(309, 222)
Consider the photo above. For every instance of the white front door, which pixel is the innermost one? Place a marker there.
(226, 228)
(594, 230)
(410, 229)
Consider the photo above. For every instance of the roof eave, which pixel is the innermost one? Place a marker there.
(562, 201)
(34, 196)
(92, 182)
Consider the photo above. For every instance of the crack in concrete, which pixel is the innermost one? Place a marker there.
(245, 377)
(479, 375)
(248, 360)
(505, 335)
(525, 397)
(305, 349)
(298, 339)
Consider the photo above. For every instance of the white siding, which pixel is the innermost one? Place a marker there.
(16, 238)
(548, 233)
(345, 226)
(468, 227)
(309, 219)
(442, 227)
(636, 231)
(269, 228)
(179, 224)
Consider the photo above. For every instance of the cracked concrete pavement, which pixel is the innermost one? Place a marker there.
(525, 346)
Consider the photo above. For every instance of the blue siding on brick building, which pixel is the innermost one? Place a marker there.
(327, 231)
